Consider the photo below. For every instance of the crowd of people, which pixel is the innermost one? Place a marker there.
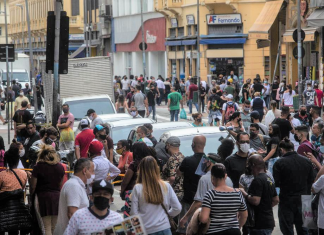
(279, 158)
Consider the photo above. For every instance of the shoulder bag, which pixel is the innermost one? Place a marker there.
(173, 224)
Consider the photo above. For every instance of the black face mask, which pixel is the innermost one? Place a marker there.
(198, 119)
(103, 137)
(296, 138)
(238, 120)
(303, 112)
(101, 203)
(48, 141)
(252, 135)
(65, 110)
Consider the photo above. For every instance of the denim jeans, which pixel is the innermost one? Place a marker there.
(271, 162)
(267, 100)
(203, 105)
(161, 96)
(174, 115)
(163, 232)
(261, 231)
(152, 108)
(190, 106)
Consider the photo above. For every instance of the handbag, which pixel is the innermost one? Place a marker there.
(314, 206)
(173, 224)
(307, 213)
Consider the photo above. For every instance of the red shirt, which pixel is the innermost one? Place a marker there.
(127, 157)
(83, 140)
(304, 148)
(192, 88)
(319, 98)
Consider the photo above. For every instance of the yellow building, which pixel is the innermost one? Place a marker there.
(2, 22)
(229, 40)
(38, 22)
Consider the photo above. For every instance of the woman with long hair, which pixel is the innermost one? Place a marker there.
(273, 146)
(153, 198)
(272, 113)
(121, 105)
(233, 213)
(287, 97)
(14, 216)
(235, 122)
(46, 183)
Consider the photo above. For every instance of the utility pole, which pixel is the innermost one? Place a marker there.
(58, 8)
(300, 61)
(90, 25)
(7, 68)
(85, 4)
(31, 59)
(198, 57)
(143, 41)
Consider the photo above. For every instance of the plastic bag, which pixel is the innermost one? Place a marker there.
(307, 212)
(67, 135)
(183, 114)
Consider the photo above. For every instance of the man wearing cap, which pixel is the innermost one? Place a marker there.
(169, 171)
(101, 135)
(95, 119)
(205, 184)
(97, 218)
(230, 104)
(83, 139)
(73, 194)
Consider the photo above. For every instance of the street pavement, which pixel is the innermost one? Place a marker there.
(163, 115)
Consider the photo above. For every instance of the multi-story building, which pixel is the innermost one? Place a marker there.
(229, 37)
(127, 36)
(2, 22)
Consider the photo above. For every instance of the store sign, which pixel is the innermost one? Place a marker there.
(190, 20)
(224, 19)
(76, 37)
(174, 23)
(150, 38)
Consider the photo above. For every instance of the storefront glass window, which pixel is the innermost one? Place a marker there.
(225, 65)
(180, 31)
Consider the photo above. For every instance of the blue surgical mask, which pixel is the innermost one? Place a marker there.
(322, 149)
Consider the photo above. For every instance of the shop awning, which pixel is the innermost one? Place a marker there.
(223, 41)
(188, 42)
(316, 19)
(309, 35)
(173, 43)
(236, 35)
(260, 28)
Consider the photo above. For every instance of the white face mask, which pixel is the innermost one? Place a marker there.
(22, 153)
(21, 93)
(245, 147)
(91, 179)
(133, 113)
(91, 118)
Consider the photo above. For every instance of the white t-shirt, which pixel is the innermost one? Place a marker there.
(95, 122)
(318, 186)
(85, 222)
(102, 166)
(288, 99)
(125, 84)
(295, 123)
(72, 194)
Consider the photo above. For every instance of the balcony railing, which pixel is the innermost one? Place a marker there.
(163, 4)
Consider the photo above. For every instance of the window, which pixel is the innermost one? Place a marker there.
(0, 31)
(172, 48)
(180, 31)
(173, 32)
(75, 5)
(189, 30)
(196, 29)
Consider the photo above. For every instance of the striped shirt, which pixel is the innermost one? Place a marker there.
(223, 209)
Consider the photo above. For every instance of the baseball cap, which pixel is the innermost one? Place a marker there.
(102, 185)
(173, 141)
(215, 158)
(230, 80)
(90, 111)
(95, 147)
(255, 115)
(229, 96)
(84, 122)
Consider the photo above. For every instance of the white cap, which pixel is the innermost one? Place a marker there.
(84, 121)
(229, 96)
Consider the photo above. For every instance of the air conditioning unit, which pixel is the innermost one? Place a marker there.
(105, 11)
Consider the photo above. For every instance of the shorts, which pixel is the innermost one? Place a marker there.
(214, 115)
(184, 210)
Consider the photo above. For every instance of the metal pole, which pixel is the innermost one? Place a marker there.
(198, 56)
(58, 8)
(300, 65)
(85, 3)
(31, 57)
(143, 40)
(22, 29)
(7, 67)
(90, 25)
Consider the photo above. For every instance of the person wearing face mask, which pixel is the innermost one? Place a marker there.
(309, 96)
(197, 117)
(246, 115)
(316, 134)
(20, 99)
(130, 96)
(31, 137)
(102, 166)
(258, 141)
(235, 164)
(151, 96)
(304, 117)
(316, 114)
(190, 180)
(99, 216)
(94, 118)
(126, 156)
(235, 122)
(20, 118)
(48, 137)
(294, 175)
(134, 113)
(83, 139)
(65, 125)
(101, 135)
(142, 133)
(169, 172)
(46, 187)
(73, 194)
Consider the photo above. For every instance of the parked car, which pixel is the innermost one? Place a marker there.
(213, 137)
(159, 129)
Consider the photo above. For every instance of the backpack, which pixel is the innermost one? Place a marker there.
(230, 109)
(213, 104)
(317, 154)
(2, 152)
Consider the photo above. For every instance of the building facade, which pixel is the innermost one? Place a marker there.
(127, 36)
(2, 22)
(225, 41)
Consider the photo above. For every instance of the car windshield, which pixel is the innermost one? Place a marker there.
(212, 144)
(79, 108)
(22, 77)
(121, 132)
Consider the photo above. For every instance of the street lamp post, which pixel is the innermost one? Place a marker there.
(143, 41)
(198, 57)
(22, 22)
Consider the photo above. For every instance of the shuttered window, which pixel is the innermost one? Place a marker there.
(75, 7)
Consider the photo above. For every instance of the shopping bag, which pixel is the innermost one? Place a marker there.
(67, 135)
(183, 114)
(307, 212)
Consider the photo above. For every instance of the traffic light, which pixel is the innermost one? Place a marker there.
(64, 43)
(50, 41)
